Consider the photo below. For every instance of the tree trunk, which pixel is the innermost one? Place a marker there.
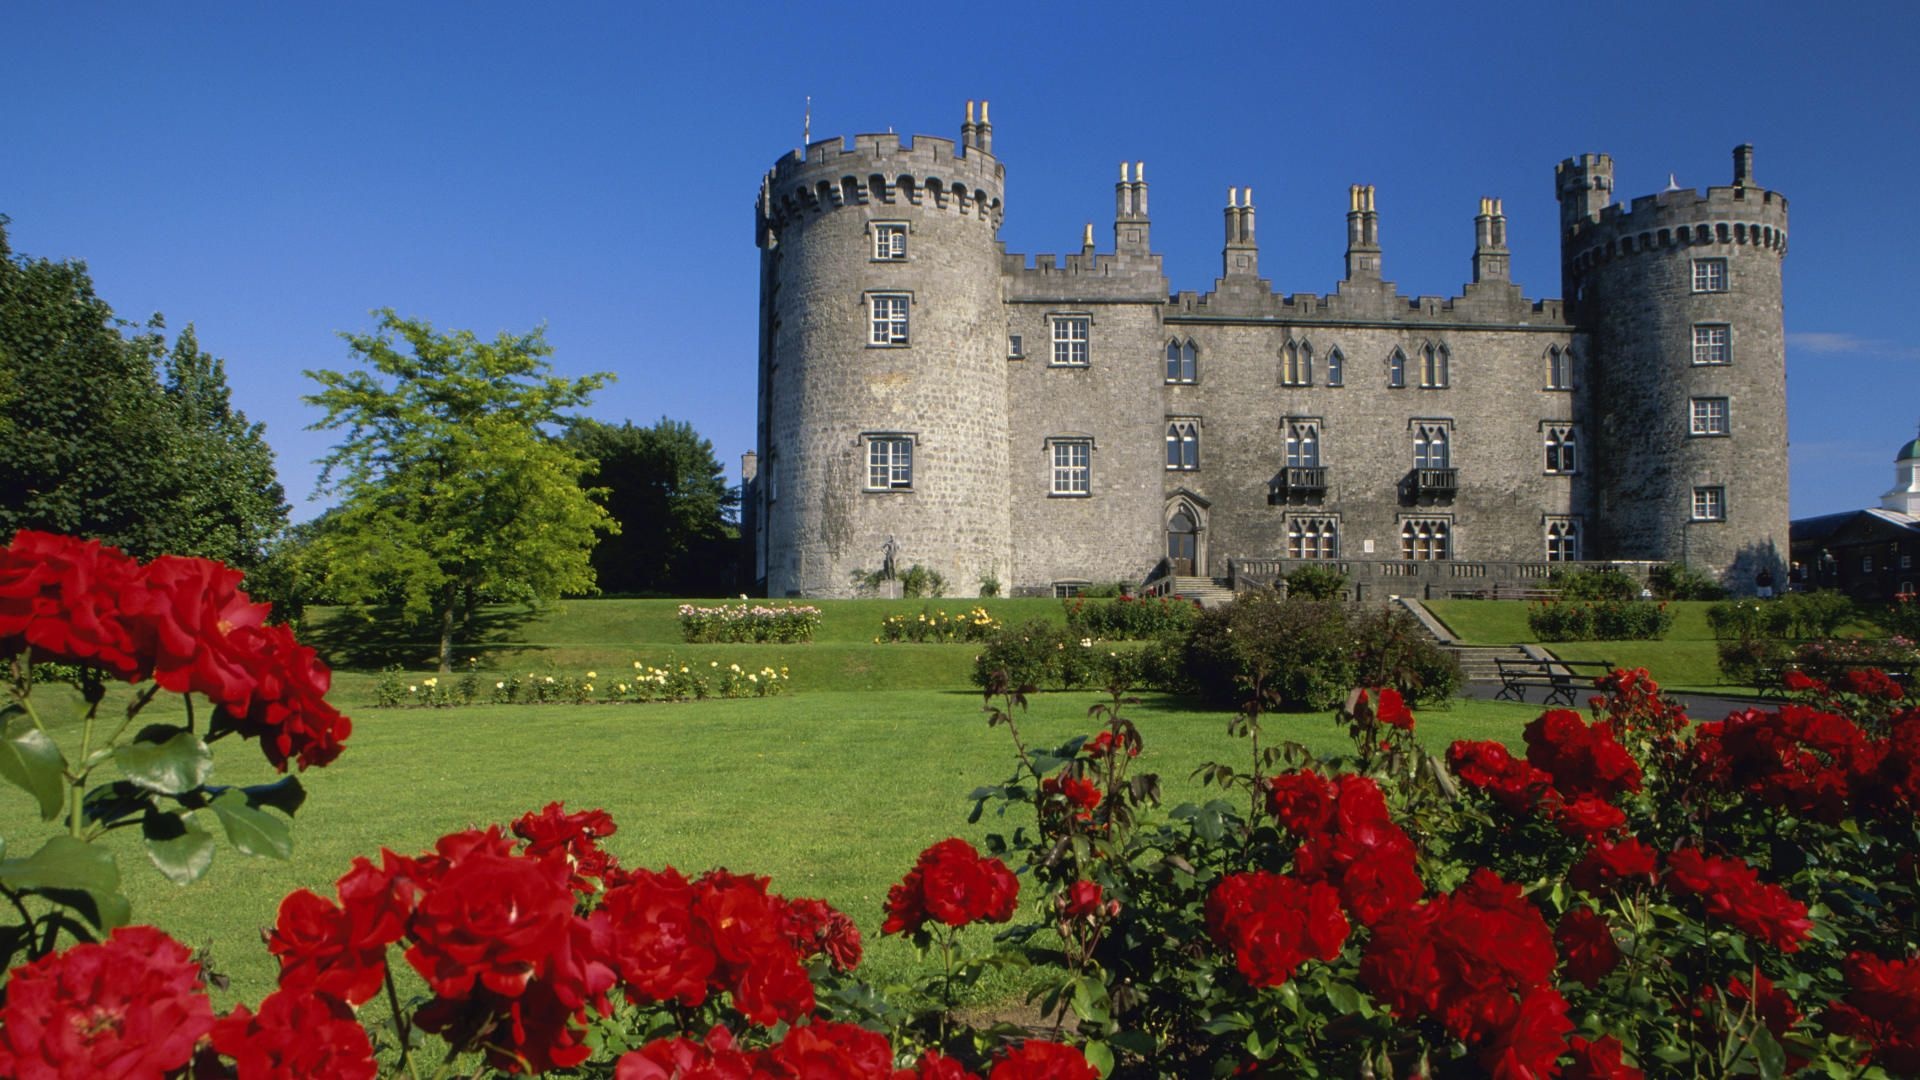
(447, 602)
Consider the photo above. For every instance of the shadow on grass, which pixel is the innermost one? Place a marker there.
(382, 636)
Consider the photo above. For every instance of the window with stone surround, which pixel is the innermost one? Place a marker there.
(1303, 443)
(1563, 449)
(1709, 275)
(1712, 343)
(1296, 364)
(889, 462)
(1313, 538)
(1563, 540)
(1710, 504)
(1396, 369)
(1559, 368)
(1016, 348)
(1072, 466)
(1434, 364)
(1426, 539)
(1183, 443)
(890, 241)
(887, 318)
(1432, 447)
(1336, 367)
(1708, 416)
(1070, 340)
(1182, 361)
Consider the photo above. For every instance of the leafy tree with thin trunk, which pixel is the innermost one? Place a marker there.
(452, 488)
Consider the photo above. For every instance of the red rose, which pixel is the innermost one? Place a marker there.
(318, 952)
(951, 884)
(1733, 892)
(653, 940)
(1611, 864)
(1588, 818)
(1491, 767)
(816, 928)
(1598, 1060)
(491, 919)
(375, 903)
(1586, 946)
(824, 1050)
(683, 1059)
(1080, 796)
(1882, 1009)
(1581, 758)
(1083, 900)
(1035, 1060)
(1273, 923)
(131, 1007)
(1528, 1045)
(1798, 681)
(1303, 801)
(288, 712)
(62, 597)
(574, 836)
(1102, 744)
(295, 1036)
(198, 627)
(1393, 710)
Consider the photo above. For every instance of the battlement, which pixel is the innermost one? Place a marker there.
(1677, 218)
(1482, 305)
(1085, 274)
(919, 171)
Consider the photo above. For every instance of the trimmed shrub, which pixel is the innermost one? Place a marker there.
(1299, 653)
(1395, 650)
(1605, 620)
(1673, 581)
(1591, 584)
(1316, 583)
(784, 623)
(1128, 618)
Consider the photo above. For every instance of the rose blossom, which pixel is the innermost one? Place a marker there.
(131, 1007)
(296, 1035)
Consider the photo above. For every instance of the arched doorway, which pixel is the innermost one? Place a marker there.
(1183, 542)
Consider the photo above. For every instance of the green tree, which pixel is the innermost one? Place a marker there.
(91, 442)
(452, 491)
(231, 506)
(678, 515)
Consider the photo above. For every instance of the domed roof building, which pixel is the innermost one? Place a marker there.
(1868, 554)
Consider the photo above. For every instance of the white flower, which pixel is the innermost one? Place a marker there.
(1086, 643)
(413, 689)
(549, 678)
(501, 685)
(636, 665)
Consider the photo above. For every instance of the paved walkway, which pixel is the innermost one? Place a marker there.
(1699, 706)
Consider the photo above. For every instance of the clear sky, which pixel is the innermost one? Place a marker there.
(272, 172)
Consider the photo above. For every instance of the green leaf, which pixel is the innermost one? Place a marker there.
(178, 846)
(254, 832)
(1768, 1053)
(32, 762)
(76, 874)
(1090, 1001)
(1100, 1056)
(1346, 998)
(166, 759)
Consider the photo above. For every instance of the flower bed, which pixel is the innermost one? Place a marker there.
(676, 681)
(1128, 618)
(784, 623)
(939, 626)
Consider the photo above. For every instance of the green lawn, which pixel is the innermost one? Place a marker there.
(1686, 659)
(831, 793)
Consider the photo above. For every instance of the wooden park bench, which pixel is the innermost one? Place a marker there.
(1563, 680)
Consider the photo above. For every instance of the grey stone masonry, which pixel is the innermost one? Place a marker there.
(928, 398)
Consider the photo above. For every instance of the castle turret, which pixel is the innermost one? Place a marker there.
(883, 412)
(1680, 295)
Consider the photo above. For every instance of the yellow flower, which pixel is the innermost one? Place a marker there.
(430, 681)
(592, 675)
(636, 665)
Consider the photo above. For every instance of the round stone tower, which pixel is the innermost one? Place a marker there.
(883, 392)
(1679, 294)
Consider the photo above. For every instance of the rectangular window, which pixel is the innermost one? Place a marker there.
(1182, 361)
(1313, 538)
(1709, 504)
(1067, 590)
(889, 463)
(889, 241)
(1709, 416)
(1562, 449)
(1183, 444)
(1559, 368)
(1712, 344)
(889, 311)
(1072, 467)
(1866, 564)
(1070, 334)
(1016, 349)
(1709, 275)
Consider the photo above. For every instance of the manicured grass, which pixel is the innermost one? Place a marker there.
(832, 794)
(1687, 659)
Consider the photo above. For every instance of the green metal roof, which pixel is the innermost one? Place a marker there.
(1911, 450)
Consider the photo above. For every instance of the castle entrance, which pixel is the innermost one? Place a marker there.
(1183, 543)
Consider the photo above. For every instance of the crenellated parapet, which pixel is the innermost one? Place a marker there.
(1482, 305)
(923, 171)
(1741, 214)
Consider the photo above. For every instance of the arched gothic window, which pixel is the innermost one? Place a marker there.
(1397, 369)
(1182, 361)
(1336, 367)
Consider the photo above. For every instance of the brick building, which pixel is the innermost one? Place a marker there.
(927, 397)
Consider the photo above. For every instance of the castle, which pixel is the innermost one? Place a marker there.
(927, 398)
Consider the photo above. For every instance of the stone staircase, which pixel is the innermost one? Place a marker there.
(1205, 590)
(1477, 662)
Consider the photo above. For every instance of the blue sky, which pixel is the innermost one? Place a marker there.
(272, 172)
